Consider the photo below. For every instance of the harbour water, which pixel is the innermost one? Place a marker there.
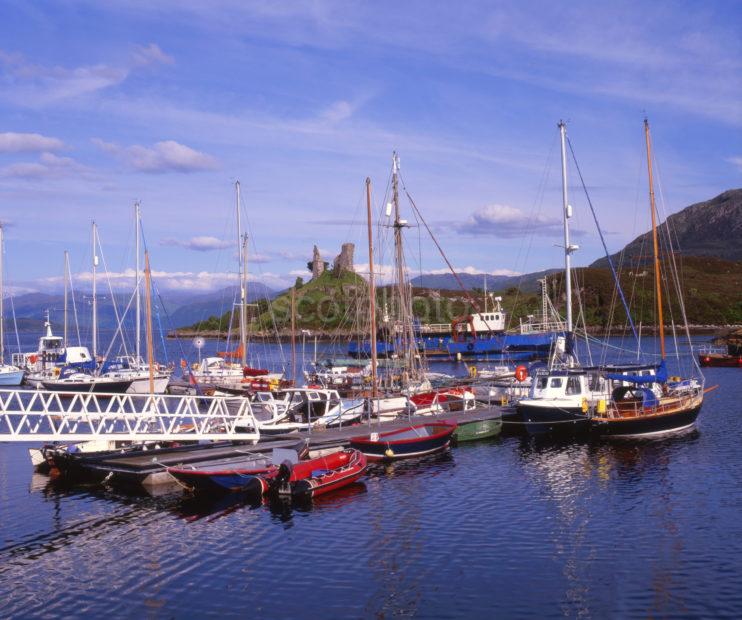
(505, 528)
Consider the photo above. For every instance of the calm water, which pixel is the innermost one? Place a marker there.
(505, 528)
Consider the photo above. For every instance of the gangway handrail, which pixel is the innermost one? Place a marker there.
(40, 415)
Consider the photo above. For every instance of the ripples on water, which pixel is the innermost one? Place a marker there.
(505, 528)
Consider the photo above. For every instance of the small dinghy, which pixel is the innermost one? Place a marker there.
(318, 476)
(406, 442)
(234, 476)
(248, 474)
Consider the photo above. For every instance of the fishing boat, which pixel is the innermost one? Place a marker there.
(319, 476)
(405, 442)
(656, 404)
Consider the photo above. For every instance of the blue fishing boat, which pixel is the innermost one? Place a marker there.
(480, 336)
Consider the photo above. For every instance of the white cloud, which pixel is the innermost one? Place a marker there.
(200, 244)
(11, 142)
(507, 222)
(475, 271)
(48, 166)
(168, 280)
(166, 156)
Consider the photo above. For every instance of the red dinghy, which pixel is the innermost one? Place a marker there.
(406, 442)
(317, 476)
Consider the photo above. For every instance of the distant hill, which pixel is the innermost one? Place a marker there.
(175, 308)
(445, 281)
(711, 228)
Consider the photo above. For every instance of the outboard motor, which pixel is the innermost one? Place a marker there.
(281, 485)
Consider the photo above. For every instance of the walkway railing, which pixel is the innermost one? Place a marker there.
(37, 415)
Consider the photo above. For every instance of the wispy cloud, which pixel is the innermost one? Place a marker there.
(11, 142)
(169, 280)
(34, 85)
(199, 244)
(736, 161)
(48, 166)
(166, 156)
(508, 222)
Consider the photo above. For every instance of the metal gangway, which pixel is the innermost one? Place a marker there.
(39, 415)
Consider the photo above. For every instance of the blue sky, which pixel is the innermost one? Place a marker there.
(171, 102)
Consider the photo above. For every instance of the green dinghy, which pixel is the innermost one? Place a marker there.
(473, 430)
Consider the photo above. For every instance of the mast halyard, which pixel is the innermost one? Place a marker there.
(655, 244)
(242, 274)
(2, 298)
(137, 280)
(66, 286)
(150, 343)
(406, 331)
(94, 300)
(371, 292)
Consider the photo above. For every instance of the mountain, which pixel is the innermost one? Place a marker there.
(712, 228)
(445, 281)
(175, 308)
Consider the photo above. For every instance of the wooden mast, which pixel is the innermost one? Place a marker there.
(148, 296)
(655, 244)
(293, 332)
(372, 290)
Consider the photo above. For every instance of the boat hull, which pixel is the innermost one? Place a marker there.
(478, 429)
(388, 447)
(554, 420)
(218, 482)
(647, 426)
(319, 476)
(720, 361)
(103, 387)
(12, 378)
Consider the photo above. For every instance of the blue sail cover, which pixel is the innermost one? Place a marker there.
(660, 376)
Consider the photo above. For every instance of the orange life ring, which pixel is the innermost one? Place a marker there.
(521, 373)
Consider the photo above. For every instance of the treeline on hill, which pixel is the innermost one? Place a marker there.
(711, 287)
(712, 292)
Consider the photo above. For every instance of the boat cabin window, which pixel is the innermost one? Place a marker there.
(573, 386)
(556, 382)
(541, 383)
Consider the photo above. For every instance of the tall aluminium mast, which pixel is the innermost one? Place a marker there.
(137, 278)
(95, 301)
(242, 275)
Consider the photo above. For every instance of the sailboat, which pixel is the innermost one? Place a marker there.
(561, 395)
(82, 378)
(220, 371)
(646, 404)
(9, 375)
(133, 367)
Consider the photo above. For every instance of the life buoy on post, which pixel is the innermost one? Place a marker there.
(521, 373)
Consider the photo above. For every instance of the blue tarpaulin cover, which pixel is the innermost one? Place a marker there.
(660, 376)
